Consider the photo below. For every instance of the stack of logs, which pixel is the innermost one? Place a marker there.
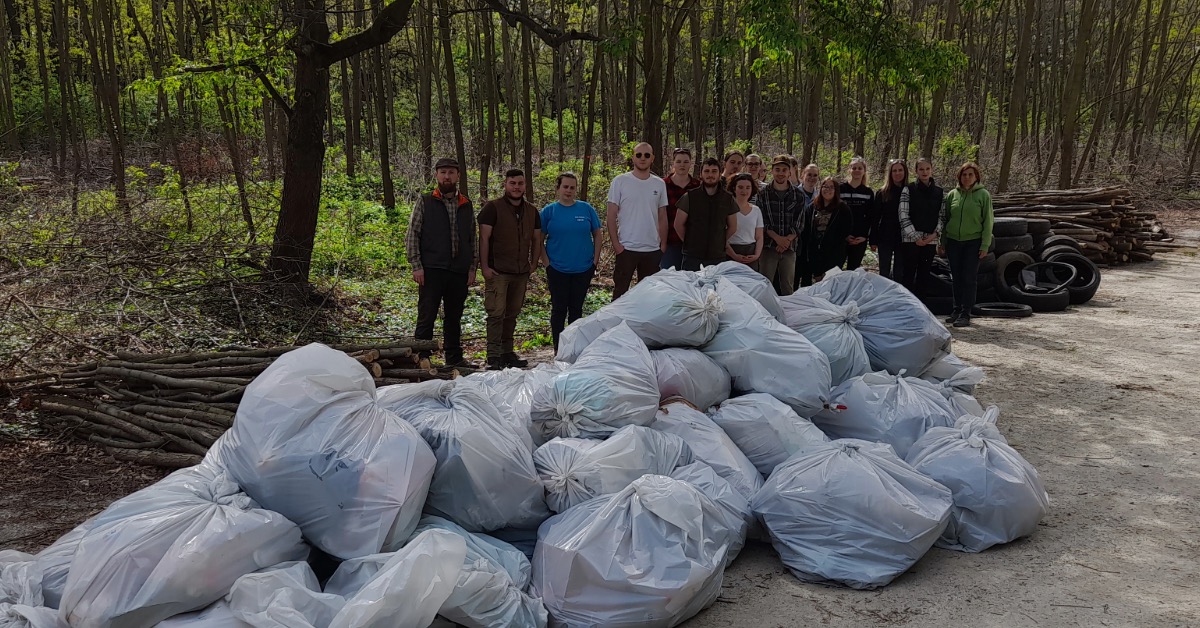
(167, 409)
(1108, 226)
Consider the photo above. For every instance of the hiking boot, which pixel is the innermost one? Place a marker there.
(496, 364)
(963, 321)
(514, 360)
(954, 315)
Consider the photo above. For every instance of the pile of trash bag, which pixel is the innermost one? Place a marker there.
(694, 412)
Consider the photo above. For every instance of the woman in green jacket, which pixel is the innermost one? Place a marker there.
(966, 228)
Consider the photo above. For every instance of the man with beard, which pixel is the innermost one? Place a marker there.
(441, 249)
(637, 220)
(510, 247)
(706, 220)
(781, 205)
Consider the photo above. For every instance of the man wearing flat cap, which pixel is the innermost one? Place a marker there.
(443, 252)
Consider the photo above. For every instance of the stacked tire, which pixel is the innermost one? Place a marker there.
(1018, 243)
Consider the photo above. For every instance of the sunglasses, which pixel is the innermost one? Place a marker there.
(643, 155)
(754, 163)
(828, 187)
(682, 151)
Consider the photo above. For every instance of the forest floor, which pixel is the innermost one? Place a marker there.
(1103, 399)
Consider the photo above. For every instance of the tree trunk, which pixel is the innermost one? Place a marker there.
(1074, 88)
(1016, 100)
(452, 92)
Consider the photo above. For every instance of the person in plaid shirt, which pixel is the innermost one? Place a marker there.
(679, 182)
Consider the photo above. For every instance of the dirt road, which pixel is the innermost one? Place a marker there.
(1105, 401)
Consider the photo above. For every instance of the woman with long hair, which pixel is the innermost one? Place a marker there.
(885, 222)
(823, 232)
(858, 197)
(920, 208)
(966, 228)
(746, 245)
(573, 243)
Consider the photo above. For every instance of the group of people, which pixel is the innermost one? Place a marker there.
(784, 221)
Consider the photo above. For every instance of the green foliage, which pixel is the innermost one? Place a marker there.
(10, 185)
(956, 149)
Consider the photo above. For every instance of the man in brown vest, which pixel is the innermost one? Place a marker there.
(510, 247)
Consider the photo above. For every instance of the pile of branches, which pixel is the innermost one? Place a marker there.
(167, 409)
(1108, 226)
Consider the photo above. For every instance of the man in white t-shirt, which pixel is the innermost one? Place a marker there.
(637, 220)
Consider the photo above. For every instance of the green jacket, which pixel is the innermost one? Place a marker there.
(967, 215)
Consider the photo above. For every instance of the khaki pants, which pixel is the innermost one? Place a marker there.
(773, 262)
(504, 296)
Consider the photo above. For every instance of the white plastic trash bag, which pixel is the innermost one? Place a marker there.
(690, 374)
(899, 332)
(710, 445)
(850, 512)
(484, 479)
(490, 589)
(504, 388)
(763, 355)
(767, 430)
(749, 281)
(998, 496)
(410, 587)
(215, 615)
(173, 547)
(650, 555)
(284, 596)
(311, 443)
(20, 579)
(736, 508)
(957, 389)
(54, 562)
(885, 408)
(831, 328)
(575, 470)
(945, 368)
(25, 616)
(611, 385)
(666, 309)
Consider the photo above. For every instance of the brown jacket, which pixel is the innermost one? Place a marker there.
(511, 247)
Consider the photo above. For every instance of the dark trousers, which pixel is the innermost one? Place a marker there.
(746, 249)
(889, 261)
(963, 256)
(694, 263)
(644, 263)
(915, 262)
(448, 290)
(854, 255)
(672, 257)
(567, 294)
(503, 298)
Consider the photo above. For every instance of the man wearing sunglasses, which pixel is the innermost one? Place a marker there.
(637, 220)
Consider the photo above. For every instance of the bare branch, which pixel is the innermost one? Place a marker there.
(553, 37)
(385, 26)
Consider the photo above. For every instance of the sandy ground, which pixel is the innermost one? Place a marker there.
(1104, 400)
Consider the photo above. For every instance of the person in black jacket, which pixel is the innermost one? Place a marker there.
(920, 208)
(825, 225)
(885, 219)
(859, 198)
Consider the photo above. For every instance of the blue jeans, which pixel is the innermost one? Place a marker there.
(963, 256)
(672, 257)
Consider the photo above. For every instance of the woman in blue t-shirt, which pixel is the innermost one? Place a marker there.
(572, 232)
